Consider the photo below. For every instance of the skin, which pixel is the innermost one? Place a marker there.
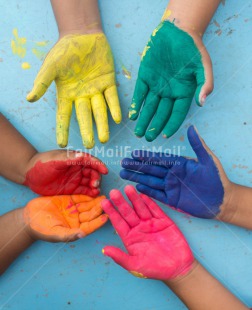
(81, 64)
(233, 205)
(147, 232)
(52, 219)
(49, 173)
(175, 65)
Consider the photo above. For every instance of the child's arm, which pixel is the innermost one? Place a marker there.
(175, 66)
(50, 173)
(200, 290)
(199, 187)
(52, 219)
(81, 64)
(157, 249)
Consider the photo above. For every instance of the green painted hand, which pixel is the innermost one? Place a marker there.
(174, 66)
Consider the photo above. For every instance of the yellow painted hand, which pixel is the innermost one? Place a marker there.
(83, 69)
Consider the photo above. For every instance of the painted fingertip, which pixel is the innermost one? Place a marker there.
(96, 183)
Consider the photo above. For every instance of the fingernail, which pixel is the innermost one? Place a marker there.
(96, 183)
(80, 236)
(203, 100)
(104, 218)
(103, 252)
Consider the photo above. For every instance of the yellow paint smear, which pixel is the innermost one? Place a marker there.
(18, 44)
(42, 43)
(126, 72)
(132, 112)
(138, 274)
(39, 54)
(166, 15)
(147, 47)
(25, 65)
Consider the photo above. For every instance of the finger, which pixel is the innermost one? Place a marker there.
(126, 211)
(145, 179)
(137, 202)
(90, 227)
(116, 219)
(113, 103)
(64, 112)
(156, 158)
(154, 208)
(89, 205)
(140, 93)
(160, 119)
(92, 162)
(80, 198)
(95, 178)
(197, 145)
(91, 215)
(204, 78)
(84, 117)
(154, 193)
(147, 113)
(46, 75)
(99, 109)
(83, 189)
(118, 256)
(135, 165)
(179, 112)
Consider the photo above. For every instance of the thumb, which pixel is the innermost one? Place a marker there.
(204, 78)
(46, 75)
(198, 145)
(118, 256)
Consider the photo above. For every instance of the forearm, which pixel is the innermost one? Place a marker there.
(13, 238)
(77, 16)
(15, 153)
(191, 15)
(238, 210)
(200, 290)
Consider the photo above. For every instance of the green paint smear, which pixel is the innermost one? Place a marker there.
(166, 82)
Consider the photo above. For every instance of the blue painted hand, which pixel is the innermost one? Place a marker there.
(194, 186)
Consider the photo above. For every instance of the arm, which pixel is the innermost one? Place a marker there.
(200, 290)
(49, 173)
(198, 187)
(77, 16)
(52, 219)
(81, 64)
(175, 66)
(185, 14)
(157, 249)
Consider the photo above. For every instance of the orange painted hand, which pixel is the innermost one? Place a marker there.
(63, 218)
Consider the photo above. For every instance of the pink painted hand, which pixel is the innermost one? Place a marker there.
(63, 173)
(156, 247)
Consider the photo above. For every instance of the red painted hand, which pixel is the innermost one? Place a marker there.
(63, 218)
(156, 247)
(64, 173)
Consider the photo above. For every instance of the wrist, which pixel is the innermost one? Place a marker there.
(230, 203)
(80, 29)
(181, 279)
(21, 226)
(27, 166)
